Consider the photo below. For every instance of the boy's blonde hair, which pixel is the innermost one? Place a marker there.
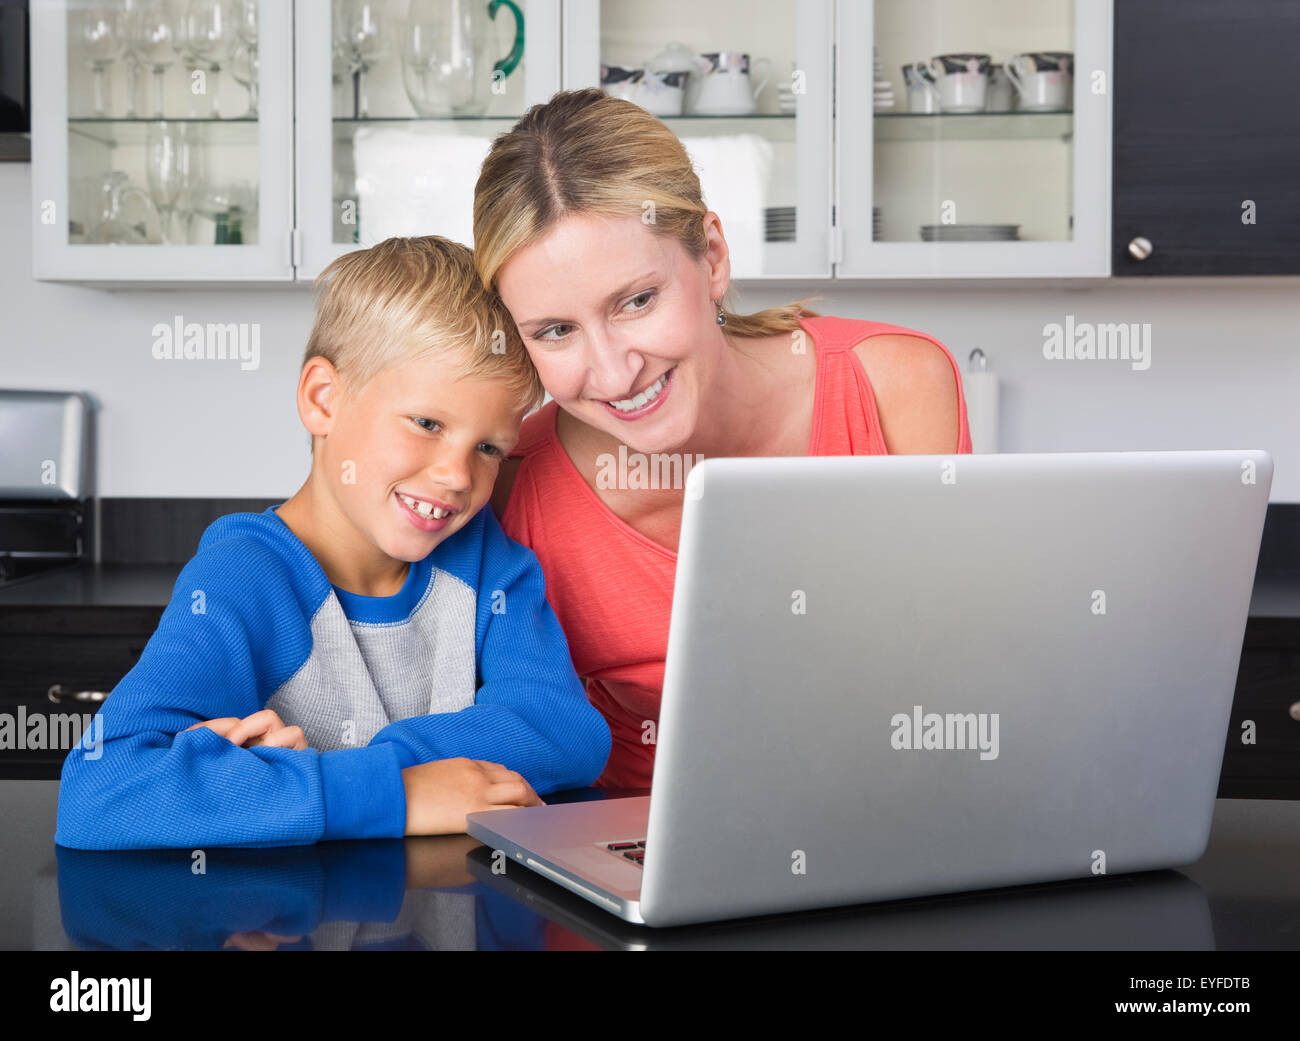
(405, 297)
(586, 152)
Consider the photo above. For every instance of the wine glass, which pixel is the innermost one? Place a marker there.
(208, 31)
(243, 69)
(166, 173)
(246, 21)
(153, 43)
(193, 162)
(101, 35)
(359, 27)
(125, 17)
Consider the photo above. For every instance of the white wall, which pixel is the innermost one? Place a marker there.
(1225, 366)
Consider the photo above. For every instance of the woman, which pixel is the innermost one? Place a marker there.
(589, 223)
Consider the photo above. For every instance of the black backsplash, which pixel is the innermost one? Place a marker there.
(167, 531)
(1279, 549)
(163, 531)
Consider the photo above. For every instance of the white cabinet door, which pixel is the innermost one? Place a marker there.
(397, 104)
(766, 172)
(179, 180)
(940, 179)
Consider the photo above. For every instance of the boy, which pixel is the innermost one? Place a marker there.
(358, 661)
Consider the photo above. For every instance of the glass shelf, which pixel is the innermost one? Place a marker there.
(130, 133)
(973, 126)
(750, 120)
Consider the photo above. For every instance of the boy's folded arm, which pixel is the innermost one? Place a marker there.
(531, 713)
(145, 780)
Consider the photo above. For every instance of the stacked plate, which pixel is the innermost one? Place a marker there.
(883, 92)
(785, 102)
(875, 224)
(970, 232)
(779, 222)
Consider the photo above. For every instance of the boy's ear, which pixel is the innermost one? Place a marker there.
(319, 391)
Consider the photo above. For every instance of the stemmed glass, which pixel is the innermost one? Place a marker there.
(243, 69)
(166, 171)
(101, 35)
(208, 35)
(359, 28)
(244, 63)
(153, 43)
(193, 162)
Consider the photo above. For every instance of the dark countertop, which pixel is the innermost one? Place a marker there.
(94, 585)
(441, 893)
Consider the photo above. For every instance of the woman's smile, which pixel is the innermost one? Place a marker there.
(645, 402)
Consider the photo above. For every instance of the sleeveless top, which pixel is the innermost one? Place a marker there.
(611, 587)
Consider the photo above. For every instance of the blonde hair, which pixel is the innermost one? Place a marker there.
(586, 152)
(405, 297)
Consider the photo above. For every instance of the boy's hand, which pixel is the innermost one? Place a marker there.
(261, 728)
(441, 793)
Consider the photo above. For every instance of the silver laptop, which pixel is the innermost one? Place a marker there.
(896, 676)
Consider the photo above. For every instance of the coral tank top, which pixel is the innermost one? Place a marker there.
(611, 587)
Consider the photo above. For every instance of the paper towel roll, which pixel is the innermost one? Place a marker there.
(982, 409)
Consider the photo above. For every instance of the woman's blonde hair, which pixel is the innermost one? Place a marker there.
(405, 297)
(586, 152)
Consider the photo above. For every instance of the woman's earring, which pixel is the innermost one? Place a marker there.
(722, 318)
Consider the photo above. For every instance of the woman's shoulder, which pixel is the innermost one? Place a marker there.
(914, 378)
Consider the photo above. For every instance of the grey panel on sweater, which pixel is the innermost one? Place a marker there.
(361, 676)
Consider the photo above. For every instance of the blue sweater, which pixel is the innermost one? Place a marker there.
(467, 659)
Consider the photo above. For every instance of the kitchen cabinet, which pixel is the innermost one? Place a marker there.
(975, 189)
(182, 179)
(395, 150)
(1262, 753)
(60, 664)
(358, 133)
(1207, 138)
(767, 173)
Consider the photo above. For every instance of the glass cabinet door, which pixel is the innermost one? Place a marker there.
(746, 86)
(398, 101)
(161, 139)
(974, 138)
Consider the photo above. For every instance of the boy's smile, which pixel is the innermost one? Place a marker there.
(400, 464)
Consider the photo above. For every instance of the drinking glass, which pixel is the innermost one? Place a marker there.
(153, 43)
(193, 161)
(359, 25)
(163, 162)
(208, 32)
(101, 36)
(243, 69)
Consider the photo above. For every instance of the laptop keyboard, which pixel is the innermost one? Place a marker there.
(631, 850)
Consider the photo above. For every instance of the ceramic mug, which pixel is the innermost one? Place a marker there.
(661, 93)
(922, 93)
(620, 82)
(962, 80)
(1043, 80)
(1000, 95)
(725, 88)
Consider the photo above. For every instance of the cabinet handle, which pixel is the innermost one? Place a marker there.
(59, 693)
(1140, 248)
